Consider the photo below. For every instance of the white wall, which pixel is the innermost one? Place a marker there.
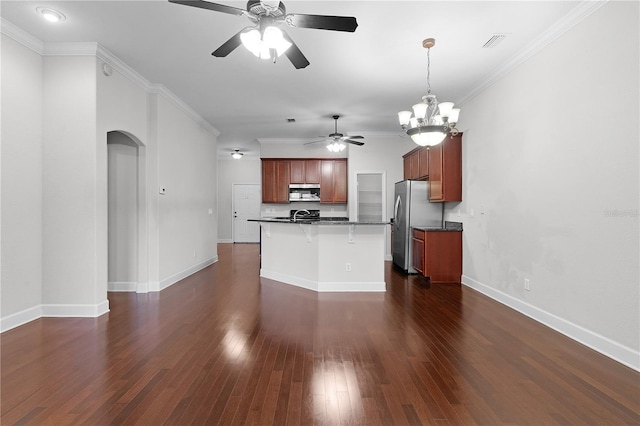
(549, 152)
(230, 171)
(122, 114)
(187, 168)
(21, 178)
(57, 111)
(70, 200)
(379, 154)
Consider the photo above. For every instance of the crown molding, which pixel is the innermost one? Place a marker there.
(102, 53)
(21, 36)
(287, 141)
(164, 91)
(564, 24)
(132, 75)
(70, 49)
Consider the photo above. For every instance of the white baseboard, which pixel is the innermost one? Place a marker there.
(154, 286)
(20, 318)
(159, 286)
(321, 286)
(122, 286)
(83, 311)
(225, 241)
(604, 345)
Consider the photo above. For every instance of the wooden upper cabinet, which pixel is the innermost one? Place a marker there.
(278, 173)
(416, 164)
(340, 181)
(296, 168)
(333, 181)
(305, 171)
(423, 162)
(408, 172)
(275, 181)
(312, 171)
(445, 170)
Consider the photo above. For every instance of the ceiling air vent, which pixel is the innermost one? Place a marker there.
(494, 41)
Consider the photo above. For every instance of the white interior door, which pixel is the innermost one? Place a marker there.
(246, 205)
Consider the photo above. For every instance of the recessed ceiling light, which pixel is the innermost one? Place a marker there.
(51, 15)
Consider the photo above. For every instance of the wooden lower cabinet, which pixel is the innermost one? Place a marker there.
(418, 250)
(438, 255)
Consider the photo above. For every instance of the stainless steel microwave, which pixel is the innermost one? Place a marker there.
(304, 192)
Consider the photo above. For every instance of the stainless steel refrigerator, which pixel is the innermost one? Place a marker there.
(411, 209)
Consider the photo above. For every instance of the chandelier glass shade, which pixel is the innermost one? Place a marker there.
(430, 121)
(269, 44)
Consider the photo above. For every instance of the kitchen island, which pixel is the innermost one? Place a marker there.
(324, 255)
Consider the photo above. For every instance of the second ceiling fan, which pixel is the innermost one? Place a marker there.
(336, 139)
(266, 39)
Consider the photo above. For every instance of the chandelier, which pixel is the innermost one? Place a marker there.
(430, 121)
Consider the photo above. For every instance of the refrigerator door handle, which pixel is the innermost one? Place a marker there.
(396, 210)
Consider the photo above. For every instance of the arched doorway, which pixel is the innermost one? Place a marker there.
(126, 225)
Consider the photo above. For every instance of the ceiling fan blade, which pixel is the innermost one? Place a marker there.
(321, 22)
(228, 46)
(354, 142)
(356, 137)
(211, 6)
(294, 54)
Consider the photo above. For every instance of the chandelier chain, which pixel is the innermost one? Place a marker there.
(428, 72)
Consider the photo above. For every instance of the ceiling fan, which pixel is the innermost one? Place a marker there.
(336, 139)
(266, 40)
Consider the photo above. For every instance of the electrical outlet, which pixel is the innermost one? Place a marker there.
(527, 285)
(348, 267)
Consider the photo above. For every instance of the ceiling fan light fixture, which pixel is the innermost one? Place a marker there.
(336, 147)
(274, 39)
(236, 154)
(262, 45)
(431, 121)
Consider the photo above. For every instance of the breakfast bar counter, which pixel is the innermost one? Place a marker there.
(324, 255)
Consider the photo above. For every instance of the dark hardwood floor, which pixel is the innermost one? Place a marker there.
(226, 347)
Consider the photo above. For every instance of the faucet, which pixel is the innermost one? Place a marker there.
(299, 211)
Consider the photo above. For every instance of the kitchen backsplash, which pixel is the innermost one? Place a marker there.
(280, 210)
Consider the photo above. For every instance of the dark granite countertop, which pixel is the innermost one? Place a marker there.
(321, 221)
(448, 227)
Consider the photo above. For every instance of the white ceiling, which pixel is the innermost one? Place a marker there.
(366, 76)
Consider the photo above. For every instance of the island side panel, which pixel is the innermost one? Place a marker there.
(315, 256)
(290, 254)
(364, 256)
